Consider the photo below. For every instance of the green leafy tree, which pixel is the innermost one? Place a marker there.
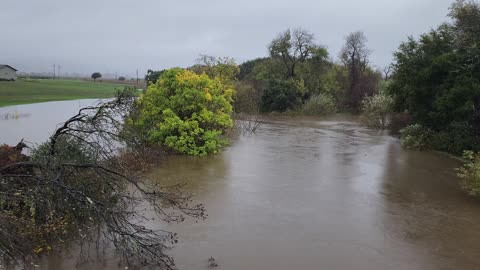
(466, 24)
(437, 78)
(293, 48)
(247, 69)
(294, 71)
(153, 76)
(222, 68)
(362, 80)
(96, 75)
(280, 95)
(185, 112)
(421, 82)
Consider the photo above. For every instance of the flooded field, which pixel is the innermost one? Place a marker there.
(306, 193)
(36, 122)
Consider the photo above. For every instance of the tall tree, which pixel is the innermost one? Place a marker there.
(466, 26)
(354, 55)
(223, 68)
(437, 79)
(466, 23)
(293, 48)
(152, 76)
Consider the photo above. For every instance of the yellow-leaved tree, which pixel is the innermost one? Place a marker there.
(185, 112)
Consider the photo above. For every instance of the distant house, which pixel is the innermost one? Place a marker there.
(7, 73)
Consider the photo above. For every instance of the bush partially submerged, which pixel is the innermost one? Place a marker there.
(185, 112)
(470, 173)
(280, 95)
(416, 137)
(455, 138)
(376, 110)
(319, 104)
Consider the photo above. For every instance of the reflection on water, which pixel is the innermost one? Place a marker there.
(320, 193)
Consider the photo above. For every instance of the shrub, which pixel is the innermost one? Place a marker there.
(376, 110)
(280, 95)
(319, 104)
(247, 98)
(470, 173)
(416, 137)
(153, 76)
(185, 112)
(455, 138)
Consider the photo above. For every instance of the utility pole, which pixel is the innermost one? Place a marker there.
(54, 68)
(137, 76)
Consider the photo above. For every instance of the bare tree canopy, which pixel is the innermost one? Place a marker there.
(355, 51)
(355, 57)
(387, 70)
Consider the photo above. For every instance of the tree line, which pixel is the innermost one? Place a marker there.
(299, 75)
(431, 90)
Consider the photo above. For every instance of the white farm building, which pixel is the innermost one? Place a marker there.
(8, 73)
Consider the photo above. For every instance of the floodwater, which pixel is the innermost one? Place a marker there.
(319, 193)
(35, 123)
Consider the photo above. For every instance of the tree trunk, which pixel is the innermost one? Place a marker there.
(476, 116)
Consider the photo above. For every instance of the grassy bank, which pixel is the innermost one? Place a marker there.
(26, 91)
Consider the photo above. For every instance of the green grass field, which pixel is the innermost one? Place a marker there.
(42, 90)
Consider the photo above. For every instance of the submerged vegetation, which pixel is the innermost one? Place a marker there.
(376, 110)
(416, 137)
(185, 112)
(13, 115)
(74, 187)
(436, 80)
(319, 104)
(470, 173)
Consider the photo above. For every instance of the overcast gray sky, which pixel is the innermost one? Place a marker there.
(120, 36)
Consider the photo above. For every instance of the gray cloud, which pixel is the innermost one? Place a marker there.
(121, 36)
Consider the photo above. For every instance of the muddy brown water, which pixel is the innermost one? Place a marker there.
(319, 193)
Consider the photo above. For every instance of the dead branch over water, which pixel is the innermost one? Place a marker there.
(74, 189)
(247, 124)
